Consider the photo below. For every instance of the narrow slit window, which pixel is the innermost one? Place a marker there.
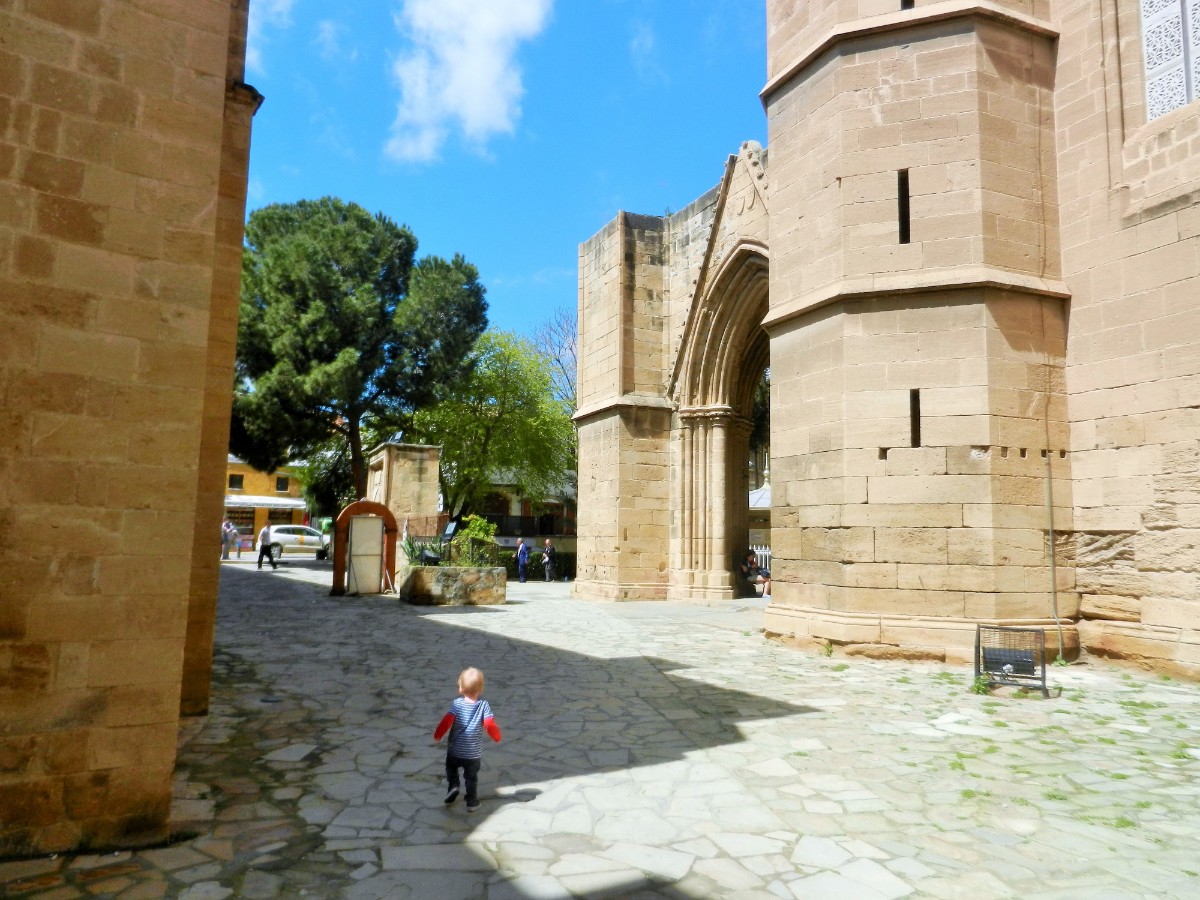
(902, 213)
(907, 4)
(914, 417)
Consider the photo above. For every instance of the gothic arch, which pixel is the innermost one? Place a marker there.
(725, 325)
(723, 354)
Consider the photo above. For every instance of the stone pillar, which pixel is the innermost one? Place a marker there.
(624, 417)
(712, 510)
(404, 478)
(241, 102)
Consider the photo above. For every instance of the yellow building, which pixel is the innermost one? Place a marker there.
(254, 498)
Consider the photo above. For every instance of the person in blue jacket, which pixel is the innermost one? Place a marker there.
(522, 559)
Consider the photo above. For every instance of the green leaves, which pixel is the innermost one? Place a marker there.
(339, 330)
(502, 423)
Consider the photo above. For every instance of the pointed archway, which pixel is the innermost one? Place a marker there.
(721, 361)
(671, 349)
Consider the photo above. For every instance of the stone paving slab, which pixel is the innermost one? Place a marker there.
(650, 750)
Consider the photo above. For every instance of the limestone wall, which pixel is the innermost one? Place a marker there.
(623, 416)
(688, 233)
(917, 327)
(796, 29)
(866, 525)
(961, 106)
(116, 233)
(404, 478)
(1131, 254)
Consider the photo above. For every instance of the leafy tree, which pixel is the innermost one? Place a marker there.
(327, 478)
(502, 419)
(340, 330)
(760, 431)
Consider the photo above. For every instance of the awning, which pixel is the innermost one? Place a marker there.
(760, 498)
(262, 501)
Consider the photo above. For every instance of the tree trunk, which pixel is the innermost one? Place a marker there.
(357, 464)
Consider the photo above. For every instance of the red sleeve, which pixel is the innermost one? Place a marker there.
(443, 726)
(490, 726)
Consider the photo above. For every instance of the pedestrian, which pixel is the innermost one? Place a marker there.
(227, 532)
(235, 538)
(522, 559)
(264, 546)
(469, 717)
(548, 560)
(752, 573)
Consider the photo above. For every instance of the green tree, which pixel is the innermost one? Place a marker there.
(501, 420)
(760, 431)
(326, 477)
(341, 331)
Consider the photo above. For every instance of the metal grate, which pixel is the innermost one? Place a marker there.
(1012, 656)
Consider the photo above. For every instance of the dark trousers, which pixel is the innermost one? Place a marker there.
(521, 567)
(470, 770)
(265, 550)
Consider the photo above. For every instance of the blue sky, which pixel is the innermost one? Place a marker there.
(506, 130)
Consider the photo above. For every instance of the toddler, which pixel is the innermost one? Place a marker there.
(469, 717)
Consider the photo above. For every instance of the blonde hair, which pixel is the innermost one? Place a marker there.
(470, 682)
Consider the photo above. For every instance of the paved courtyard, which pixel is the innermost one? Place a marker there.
(650, 750)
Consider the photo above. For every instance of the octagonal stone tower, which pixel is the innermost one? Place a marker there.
(917, 322)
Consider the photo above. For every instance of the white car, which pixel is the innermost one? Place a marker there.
(298, 538)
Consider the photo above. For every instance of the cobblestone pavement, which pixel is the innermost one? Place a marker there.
(650, 750)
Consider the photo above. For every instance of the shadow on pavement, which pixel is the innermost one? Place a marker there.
(323, 710)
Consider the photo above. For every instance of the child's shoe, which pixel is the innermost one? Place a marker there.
(451, 795)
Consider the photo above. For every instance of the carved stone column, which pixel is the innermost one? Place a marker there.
(710, 501)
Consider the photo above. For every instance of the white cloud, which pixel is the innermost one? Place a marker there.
(329, 41)
(264, 14)
(643, 52)
(460, 72)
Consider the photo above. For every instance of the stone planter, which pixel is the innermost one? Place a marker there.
(451, 585)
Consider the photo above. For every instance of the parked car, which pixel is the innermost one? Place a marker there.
(298, 539)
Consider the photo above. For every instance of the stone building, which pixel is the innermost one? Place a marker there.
(124, 141)
(971, 259)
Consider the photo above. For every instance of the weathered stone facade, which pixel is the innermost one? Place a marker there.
(977, 264)
(124, 134)
(404, 478)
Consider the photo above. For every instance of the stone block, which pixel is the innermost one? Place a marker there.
(925, 577)
(32, 802)
(892, 515)
(135, 662)
(871, 575)
(451, 585)
(1111, 607)
(838, 544)
(132, 747)
(910, 545)
(917, 489)
(144, 704)
(1182, 613)
(901, 602)
(916, 461)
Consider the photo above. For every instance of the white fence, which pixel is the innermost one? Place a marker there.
(764, 557)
